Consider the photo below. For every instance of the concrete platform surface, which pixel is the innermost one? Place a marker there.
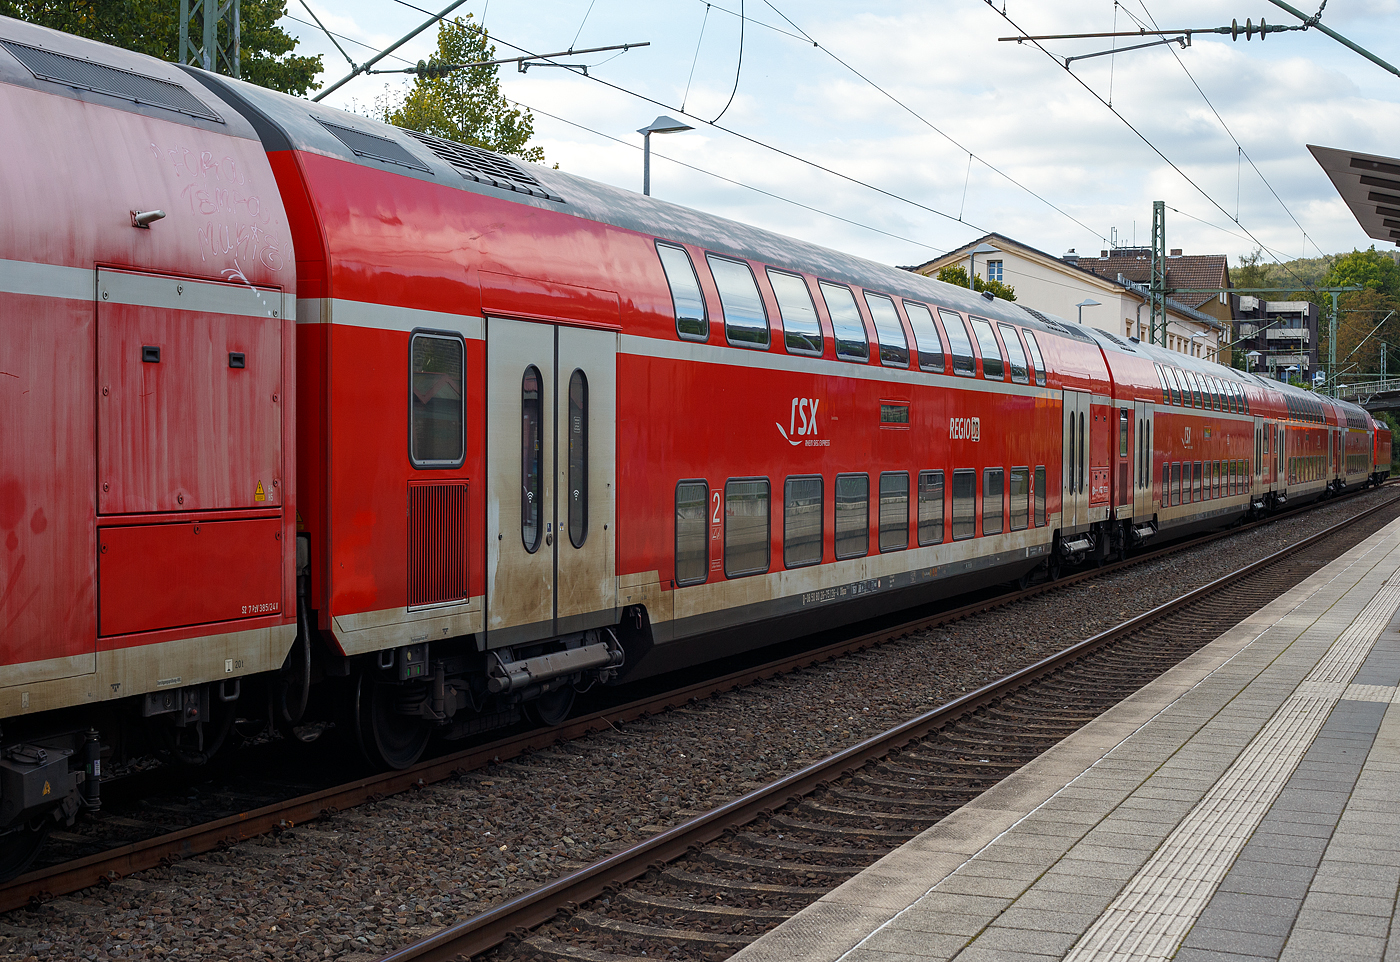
(1244, 806)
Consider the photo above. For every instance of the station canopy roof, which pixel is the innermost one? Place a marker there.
(1370, 184)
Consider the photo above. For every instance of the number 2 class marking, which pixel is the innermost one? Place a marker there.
(715, 519)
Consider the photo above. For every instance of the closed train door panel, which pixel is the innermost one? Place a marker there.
(550, 526)
(1142, 460)
(1075, 481)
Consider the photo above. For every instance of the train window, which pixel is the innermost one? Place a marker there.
(993, 500)
(745, 527)
(1124, 419)
(1196, 482)
(1019, 374)
(959, 344)
(1172, 384)
(578, 458)
(894, 510)
(1176, 483)
(1166, 485)
(437, 376)
(964, 504)
(1195, 383)
(1220, 403)
(802, 521)
(692, 536)
(926, 340)
(1040, 496)
(1244, 397)
(531, 456)
(1162, 380)
(1020, 498)
(894, 346)
(692, 320)
(1230, 397)
(993, 363)
(852, 515)
(851, 344)
(745, 317)
(1215, 480)
(1036, 359)
(930, 507)
(802, 332)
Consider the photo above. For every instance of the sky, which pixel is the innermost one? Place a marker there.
(899, 130)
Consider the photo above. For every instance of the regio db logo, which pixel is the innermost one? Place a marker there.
(964, 429)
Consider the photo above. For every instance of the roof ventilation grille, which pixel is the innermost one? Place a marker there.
(483, 166)
(374, 147)
(1067, 330)
(112, 81)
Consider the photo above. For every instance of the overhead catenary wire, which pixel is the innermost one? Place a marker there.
(1141, 136)
(709, 173)
(741, 136)
(737, 67)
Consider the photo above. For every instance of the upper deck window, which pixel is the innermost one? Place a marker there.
(1019, 374)
(959, 344)
(846, 323)
(894, 348)
(692, 321)
(993, 363)
(1036, 358)
(926, 340)
(802, 332)
(745, 318)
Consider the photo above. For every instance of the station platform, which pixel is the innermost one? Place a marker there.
(1244, 806)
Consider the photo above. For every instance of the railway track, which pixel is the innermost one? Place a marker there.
(712, 885)
(124, 854)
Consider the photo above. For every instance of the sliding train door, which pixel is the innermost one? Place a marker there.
(550, 495)
(1074, 490)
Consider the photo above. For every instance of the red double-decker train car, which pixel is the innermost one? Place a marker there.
(307, 415)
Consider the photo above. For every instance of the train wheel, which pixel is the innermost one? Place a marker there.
(552, 708)
(19, 848)
(387, 738)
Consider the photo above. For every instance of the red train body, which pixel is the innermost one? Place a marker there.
(530, 432)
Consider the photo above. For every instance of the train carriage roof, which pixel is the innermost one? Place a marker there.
(290, 123)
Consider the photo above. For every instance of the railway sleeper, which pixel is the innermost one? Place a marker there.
(550, 949)
(814, 807)
(603, 925)
(732, 860)
(691, 881)
(855, 832)
(922, 805)
(699, 910)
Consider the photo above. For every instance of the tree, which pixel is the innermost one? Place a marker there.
(152, 27)
(1369, 268)
(465, 105)
(957, 274)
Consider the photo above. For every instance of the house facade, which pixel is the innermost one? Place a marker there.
(1060, 285)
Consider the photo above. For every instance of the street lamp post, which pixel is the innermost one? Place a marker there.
(1087, 302)
(1250, 360)
(972, 262)
(661, 125)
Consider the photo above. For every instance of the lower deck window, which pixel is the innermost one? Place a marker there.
(745, 527)
(1020, 498)
(1040, 520)
(692, 498)
(930, 507)
(852, 515)
(1166, 485)
(1196, 482)
(993, 500)
(802, 522)
(1176, 483)
(964, 504)
(894, 510)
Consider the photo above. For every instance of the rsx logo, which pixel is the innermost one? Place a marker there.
(802, 421)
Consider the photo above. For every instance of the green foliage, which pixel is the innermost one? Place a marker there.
(153, 27)
(465, 105)
(1369, 268)
(1257, 270)
(957, 274)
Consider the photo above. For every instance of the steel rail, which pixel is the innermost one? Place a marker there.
(104, 867)
(516, 917)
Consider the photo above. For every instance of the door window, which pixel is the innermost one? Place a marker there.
(578, 458)
(1040, 520)
(531, 457)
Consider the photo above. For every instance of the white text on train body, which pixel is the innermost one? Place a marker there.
(965, 429)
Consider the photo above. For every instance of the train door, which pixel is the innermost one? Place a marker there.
(1074, 499)
(1257, 475)
(1123, 486)
(1142, 463)
(550, 448)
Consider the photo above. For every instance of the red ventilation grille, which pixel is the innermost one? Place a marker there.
(437, 543)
